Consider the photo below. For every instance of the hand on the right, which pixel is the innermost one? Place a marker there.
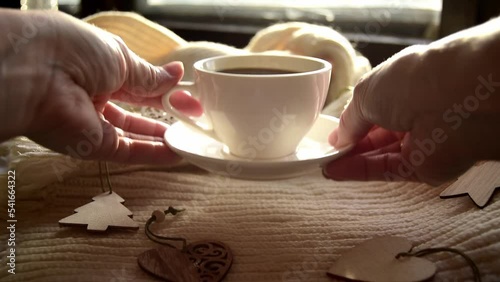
(427, 114)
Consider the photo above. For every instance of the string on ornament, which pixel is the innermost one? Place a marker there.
(206, 260)
(108, 181)
(159, 216)
(424, 252)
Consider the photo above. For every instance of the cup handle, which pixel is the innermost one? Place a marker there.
(191, 121)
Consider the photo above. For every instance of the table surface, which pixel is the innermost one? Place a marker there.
(286, 230)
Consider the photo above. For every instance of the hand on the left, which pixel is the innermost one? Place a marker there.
(69, 72)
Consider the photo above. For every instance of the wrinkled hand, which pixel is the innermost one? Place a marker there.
(58, 83)
(427, 114)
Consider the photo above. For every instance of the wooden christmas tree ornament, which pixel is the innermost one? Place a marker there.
(106, 210)
(206, 261)
(479, 182)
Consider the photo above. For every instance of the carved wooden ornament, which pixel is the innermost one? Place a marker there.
(106, 210)
(207, 261)
(375, 260)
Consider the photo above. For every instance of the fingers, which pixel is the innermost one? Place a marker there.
(118, 145)
(183, 102)
(435, 162)
(364, 168)
(412, 159)
(154, 102)
(377, 138)
(131, 138)
(390, 148)
(385, 163)
(74, 128)
(133, 123)
(134, 151)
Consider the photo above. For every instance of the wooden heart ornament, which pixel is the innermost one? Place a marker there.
(206, 261)
(375, 260)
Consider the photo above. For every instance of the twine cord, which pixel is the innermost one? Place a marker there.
(424, 252)
(164, 240)
(108, 181)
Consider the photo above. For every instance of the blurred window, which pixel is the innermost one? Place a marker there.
(417, 19)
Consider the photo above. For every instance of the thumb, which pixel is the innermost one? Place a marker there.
(146, 80)
(353, 125)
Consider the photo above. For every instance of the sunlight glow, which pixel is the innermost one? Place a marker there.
(434, 5)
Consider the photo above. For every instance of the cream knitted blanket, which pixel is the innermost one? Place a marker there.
(287, 230)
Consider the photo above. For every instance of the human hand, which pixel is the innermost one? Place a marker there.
(427, 114)
(56, 85)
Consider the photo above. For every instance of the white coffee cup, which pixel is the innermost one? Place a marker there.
(257, 116)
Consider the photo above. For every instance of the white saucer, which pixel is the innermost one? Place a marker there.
(209, 154)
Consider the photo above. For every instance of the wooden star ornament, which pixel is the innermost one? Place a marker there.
(479, 182)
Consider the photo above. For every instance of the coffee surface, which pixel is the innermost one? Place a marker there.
(256, 71)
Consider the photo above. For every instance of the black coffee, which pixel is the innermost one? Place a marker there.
(256, 71)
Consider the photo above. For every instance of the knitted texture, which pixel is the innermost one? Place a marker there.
(287, 230)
